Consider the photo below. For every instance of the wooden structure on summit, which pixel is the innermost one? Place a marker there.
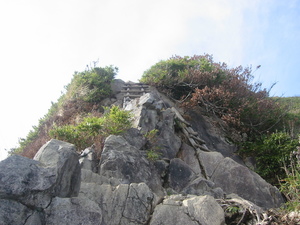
(134, 90)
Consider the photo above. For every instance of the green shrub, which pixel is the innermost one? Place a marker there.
(271, 152)
(290, 187)
(92, 85)
(152, 145)
(115, 121)
(69, 133)
(229, 93)
(153, 155)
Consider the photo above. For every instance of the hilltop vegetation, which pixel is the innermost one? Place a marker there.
(226, 92)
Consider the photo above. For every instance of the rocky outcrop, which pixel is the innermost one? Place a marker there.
(192, 210)
(31, 185)
(190, 182)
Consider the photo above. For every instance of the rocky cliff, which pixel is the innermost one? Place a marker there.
(196, 178)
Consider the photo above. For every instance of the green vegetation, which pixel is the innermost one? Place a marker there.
(115, 121)
(291, 121)
(227, 93)
(290, 187)
(152, 145)
(271, 152)
(91, 85)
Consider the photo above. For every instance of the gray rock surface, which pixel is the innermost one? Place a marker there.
(13, 212)
(233, 177)
(134, 137)
(124, 204)
(180, 174)
(190, 210)
(88, 160)
(73, 210)
(26, 180)
(117, 86)
(126, 164)
(62, 157)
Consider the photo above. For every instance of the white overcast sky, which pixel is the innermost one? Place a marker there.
(43, 42)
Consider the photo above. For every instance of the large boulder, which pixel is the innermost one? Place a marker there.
(190, 210)
(213, 136)
(233, 177)
(27, 186)
(180, 174)
(126, 164)
(189, 156)
(27, 181)
(149, 115)
(63, 159)
(13, 212)
(73, 211)
(125, 204)
(168, 142)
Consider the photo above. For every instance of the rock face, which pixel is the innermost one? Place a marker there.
(31, 185)
(192, 173)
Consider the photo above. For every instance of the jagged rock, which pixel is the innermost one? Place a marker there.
(201, 186)
(117, 86)
(148, 119)
(37, 217)
(201, 208)
(189, 156)
(233, 177)
(88, 176)
(209, 161)
(149, 116)
(125, 163)
(191, 210)
(147, 101)
(125, 204)
(34, 183)
(180, 174)
(73, 211)
(26, 181)
(88, 160)
(62, 157)
(214, 138)
(162, 168)
(134, 137)
(12, 212)
(168, 142)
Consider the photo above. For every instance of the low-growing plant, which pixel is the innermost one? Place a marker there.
(290, 185)
(92, 85)
(271, 152)
(153, 155)
(152, 139)
(232, 209)
(115, 121)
